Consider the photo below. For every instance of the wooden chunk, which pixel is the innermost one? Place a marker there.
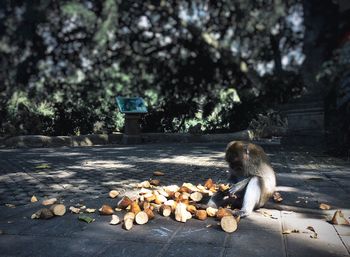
(159, 199)
(141, 218)
(145, 184)
(165, 210)
(192, 209)
(129, 215)
(106, 210)
(58, 209)
(33, 199)
(209, 183)
(224, 187)
(49, 201)
(149, 213)
(115, 220)
(113, 193)
(190, 186)
(124, 202)
(228, 224)
(201, 214)
(196, 196)
(135, 207)
(339, 219)
(155, 182)
(74, 209)
(181, 214)
(43, 214)
(211, 211)
(158, 173)
(324, 206)
(185, 189)
(222, 212)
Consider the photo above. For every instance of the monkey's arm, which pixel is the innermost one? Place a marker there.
(239, 186)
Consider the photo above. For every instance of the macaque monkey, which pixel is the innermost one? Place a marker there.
(252, 176)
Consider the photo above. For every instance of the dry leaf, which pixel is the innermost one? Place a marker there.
(324, 206)
(158, 173)
(33, 199)
(87, 219)
(10, 205)
(314, 236)
(289, 231)
(43, 166)
(277, 198)
(339, 219)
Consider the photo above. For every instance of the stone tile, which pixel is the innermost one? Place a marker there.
(191, 249)
(327, 243)
(257, 243)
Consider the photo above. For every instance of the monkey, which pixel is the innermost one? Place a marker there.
(252, 179)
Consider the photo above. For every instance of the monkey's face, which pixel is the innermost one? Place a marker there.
(236, 154)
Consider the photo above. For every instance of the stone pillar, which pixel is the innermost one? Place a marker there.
(132, 130)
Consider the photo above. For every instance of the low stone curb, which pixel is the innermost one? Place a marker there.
(33, 141)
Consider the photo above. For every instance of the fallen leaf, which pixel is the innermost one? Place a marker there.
(209, 225)
(158, 173)
(33, 199)
(314, 236)
(10, 205)
(339, 219)
(85, 218)
(324, 206)
(277, 198)
(289, 231)
(43, 166)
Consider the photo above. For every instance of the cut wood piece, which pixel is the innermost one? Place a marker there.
(113, 193)
(163, 192)
(184, 189)
(49, 201)
(159, 199)
(196, 196)
(128, 223)
(58, 209)
(224, 187)
(141, 218)
(115, 220)
(222, 212)
(129, 215)
(339, 219)
(135, 207)
(146, 205)
(201, 214)
(154, 182)
(158, 173)
(181, 214)
(165, 210)
(90, 210)
(145, 191)
(324, 206)
(124, 202)
(106, 210)
(33, 199)
(43, 214)
(228, 224)
(149, 197)
(74, 209)
(144, 184)
(209, 183)
(149, 213)
(191, 187)
(192, 209)
(211, 211)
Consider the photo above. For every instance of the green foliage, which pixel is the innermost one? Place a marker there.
(195, 63)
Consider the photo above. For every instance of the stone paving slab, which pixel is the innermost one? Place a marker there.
(305, 179)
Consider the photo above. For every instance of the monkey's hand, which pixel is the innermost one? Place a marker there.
(239, 186)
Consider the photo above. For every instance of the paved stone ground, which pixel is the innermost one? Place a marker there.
(305, 178)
